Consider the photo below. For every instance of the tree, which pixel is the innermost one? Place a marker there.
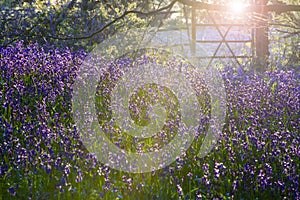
(65, 23)
(80, 24)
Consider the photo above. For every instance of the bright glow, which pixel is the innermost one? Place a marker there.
(237, 7)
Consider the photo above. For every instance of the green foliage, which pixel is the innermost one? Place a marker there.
(63, 23)
(285, 37)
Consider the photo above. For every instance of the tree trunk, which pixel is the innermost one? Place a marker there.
(261, 39)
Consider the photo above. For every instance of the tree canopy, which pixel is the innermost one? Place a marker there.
(80, 24)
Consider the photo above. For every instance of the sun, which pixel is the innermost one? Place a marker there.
(237, 7)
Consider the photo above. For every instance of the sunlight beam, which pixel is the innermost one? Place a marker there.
(237, 7)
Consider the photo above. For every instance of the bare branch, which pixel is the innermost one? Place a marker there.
(284, 25)
(252, 8)
(116, 20)
(289, 34)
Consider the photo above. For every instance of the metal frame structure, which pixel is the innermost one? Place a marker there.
(259, 41)
(220, 42)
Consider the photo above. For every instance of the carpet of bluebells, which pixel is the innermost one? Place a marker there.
(42, 157)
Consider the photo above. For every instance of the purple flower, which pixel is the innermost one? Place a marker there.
(12, 190)
(179, 190)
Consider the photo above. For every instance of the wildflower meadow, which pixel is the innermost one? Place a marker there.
(43, 157)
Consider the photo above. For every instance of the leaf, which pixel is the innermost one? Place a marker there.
(274, 86)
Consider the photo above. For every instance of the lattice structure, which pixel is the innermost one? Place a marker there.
(256, 22)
